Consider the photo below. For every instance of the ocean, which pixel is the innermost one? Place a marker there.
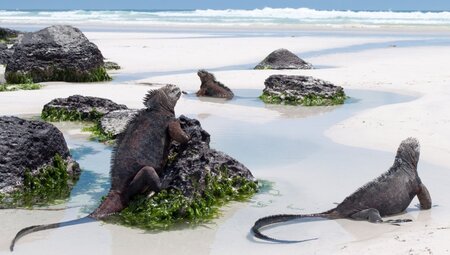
(266, 17)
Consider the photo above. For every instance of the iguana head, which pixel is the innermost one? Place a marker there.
(204, 75)
(408, 153)
(165, 97)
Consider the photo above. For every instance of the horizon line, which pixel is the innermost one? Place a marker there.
(246, 9)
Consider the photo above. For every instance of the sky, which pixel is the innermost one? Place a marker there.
(432, 5)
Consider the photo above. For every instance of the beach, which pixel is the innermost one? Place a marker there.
(397, 83)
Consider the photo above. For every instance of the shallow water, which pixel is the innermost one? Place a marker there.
(295, 135)
(309, 172)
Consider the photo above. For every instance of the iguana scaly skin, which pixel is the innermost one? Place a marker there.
(389, 194)
(139, 157)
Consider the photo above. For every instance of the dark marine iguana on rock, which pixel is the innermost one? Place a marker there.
(389, 194)
(139, 157)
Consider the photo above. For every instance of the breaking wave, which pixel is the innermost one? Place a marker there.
(265, 16)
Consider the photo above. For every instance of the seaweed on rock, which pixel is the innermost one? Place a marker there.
(169, 208)
(97, 133)
(301, 90)
(61, 114)
(52, 74)
(197, 181)
(310, 100)
(56, 53)
(24, 86)
(45, 186)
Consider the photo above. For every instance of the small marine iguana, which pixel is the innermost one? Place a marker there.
(211, 87)
(138, 158)
(389, 194)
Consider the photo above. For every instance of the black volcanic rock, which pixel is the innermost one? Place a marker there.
(29, 145)
(5, 54)
(109, 65)
(115, 122)
(8, 39)
(56, 53)
(301, 90)
(283, 59)
(79, 107)
(193, 162)
(7, 34)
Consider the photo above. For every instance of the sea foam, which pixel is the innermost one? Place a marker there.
(230, 17)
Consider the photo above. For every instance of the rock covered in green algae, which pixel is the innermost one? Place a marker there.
(56, 53)
(283, 59)
(197, 180)
(301, 90)
(35, 163)
(77, 108)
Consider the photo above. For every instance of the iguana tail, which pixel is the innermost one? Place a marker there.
(273, 219)
(32, 229)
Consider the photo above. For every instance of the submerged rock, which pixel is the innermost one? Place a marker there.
(301, 90)
(75, 108)
(210, 87)
(34, 158)
(115, 122)
(283, 59)
(56, 53)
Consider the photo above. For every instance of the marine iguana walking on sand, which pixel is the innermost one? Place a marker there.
(389, 194)
(139, 156)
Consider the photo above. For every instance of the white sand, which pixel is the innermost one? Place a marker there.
(420, 71)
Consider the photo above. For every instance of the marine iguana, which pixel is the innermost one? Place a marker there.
(389, 194)
(139, 157)
(211, 87)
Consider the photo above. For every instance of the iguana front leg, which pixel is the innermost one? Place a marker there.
(177, 133)
(424, 197)
(202, 91)
(371, 215)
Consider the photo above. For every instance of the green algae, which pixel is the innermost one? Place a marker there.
(91, 119)
(51, 184)
(97, 133)
(54, 74)
(310, 100)
(170, 208)
(18, 78)
(23, 83)
(54, 114)
(15, 87)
